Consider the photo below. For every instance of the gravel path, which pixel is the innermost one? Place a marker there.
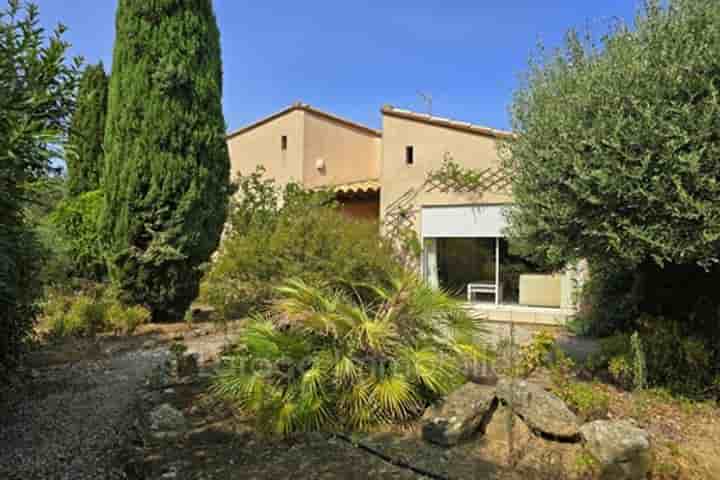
(76, 420)
(73, 421)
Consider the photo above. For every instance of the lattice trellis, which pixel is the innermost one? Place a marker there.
(400, 216)
(489, 180)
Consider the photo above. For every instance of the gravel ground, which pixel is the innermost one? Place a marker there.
(578, 348)
(74, 421)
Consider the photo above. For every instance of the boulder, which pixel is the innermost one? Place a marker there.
(464, 412)
(161, 377)
(621, 448)
(167, 422)
(542, 411)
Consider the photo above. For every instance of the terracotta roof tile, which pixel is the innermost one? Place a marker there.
(357, 187)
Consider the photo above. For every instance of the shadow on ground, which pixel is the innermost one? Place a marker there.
(221, 446)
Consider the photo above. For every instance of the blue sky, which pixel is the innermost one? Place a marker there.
(350, 58)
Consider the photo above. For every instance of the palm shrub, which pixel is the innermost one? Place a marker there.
(321, 358)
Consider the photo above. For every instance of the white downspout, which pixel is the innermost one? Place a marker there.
(497, 270)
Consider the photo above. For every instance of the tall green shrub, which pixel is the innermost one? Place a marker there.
(75, 224)
(36, 97)
(616, 161)
(275, 234)
(616, 157)
(167, 168)
(87, 129)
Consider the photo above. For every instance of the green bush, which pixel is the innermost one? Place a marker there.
(589, 401)
(93, 310)
(75, 222)
(53, 312)
(79, 316)
(37, 86)
(126, 320)
(276, 234)
(609, 304)
(668, 357)
(322, 359)
(541, 351)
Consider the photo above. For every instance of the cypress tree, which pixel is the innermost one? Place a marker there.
(166, 178)
(85, 161)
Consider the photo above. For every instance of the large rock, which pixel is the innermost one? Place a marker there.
(167, 422)
(542, 411)
(622, 449)
(464, 412)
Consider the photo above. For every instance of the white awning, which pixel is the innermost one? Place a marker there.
(463, 221)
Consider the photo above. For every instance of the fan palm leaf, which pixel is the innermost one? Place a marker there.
(329, 359)
(395, 397)
(439, 373)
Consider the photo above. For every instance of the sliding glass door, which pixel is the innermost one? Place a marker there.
(490, 270)
(465, 252)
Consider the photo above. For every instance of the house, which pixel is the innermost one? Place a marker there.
(383, 176)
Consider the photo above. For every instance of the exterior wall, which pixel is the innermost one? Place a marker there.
(540, 290)
(349, 154)
(431, 143)
(361, 209)
(261, 146)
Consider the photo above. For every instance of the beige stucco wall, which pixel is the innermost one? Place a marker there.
(540, 290)
(432, 143)
(349, 154)
(261, 145)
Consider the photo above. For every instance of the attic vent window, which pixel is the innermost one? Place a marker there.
(409, 155)
(283, 142)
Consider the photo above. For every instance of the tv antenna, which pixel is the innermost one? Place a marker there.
(427, 98)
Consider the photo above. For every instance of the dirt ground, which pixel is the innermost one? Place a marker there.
(77, 410)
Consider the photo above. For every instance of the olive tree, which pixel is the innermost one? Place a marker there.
(617, 153)
(616, 157)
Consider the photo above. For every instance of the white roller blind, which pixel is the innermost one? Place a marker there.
(463, 221)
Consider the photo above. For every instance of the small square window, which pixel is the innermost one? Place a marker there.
(283, 142)
(409, 155)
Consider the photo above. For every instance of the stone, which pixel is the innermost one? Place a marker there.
(464, 412)
(621, 448)
(167, 422)
(543, 412)
(161, 377)
(481, 373)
